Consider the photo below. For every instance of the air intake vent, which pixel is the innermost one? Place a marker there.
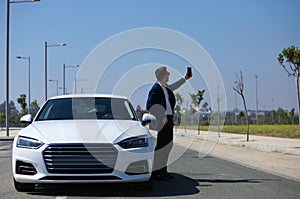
(25, 168)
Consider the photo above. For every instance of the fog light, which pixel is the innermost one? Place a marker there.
(136, 168)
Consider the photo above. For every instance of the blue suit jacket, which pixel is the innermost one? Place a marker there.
(156, 102)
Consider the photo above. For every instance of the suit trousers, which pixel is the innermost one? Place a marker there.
(163, 147)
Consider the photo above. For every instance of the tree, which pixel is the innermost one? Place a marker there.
(289, 59)
(282, 116)
(292, 114)
(239, 88)
(196, 100)
(199, 99)
(179, 98)
(192, 110)
(2, 107)
(13, 112)
(177, 109)
(2, 119)
(14, 115)
(34, 107)
(22, 101)
(200, 96)
(242, 115)
(13, 109)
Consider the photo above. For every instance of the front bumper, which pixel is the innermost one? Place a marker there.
(131, 165)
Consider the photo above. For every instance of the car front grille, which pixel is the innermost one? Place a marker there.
(91, 158)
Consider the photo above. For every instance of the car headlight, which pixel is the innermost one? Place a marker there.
(134, 142)
(26, 142)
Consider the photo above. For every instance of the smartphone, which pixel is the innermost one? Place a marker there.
(189, 71)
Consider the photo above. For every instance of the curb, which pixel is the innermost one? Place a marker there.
(7, 139)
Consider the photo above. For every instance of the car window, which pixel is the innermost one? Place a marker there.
(87, 108)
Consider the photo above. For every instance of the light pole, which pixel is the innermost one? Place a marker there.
(7, 111)
(272, 113)
(256, 101)
(46, 77)
(54, 80)
(28, 58)
(64, 76)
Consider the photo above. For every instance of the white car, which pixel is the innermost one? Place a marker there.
(83, 139)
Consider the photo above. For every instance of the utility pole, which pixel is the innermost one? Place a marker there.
(256, 101)
(7, 105)
(218, 102)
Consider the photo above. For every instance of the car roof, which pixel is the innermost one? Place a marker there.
(88, 95)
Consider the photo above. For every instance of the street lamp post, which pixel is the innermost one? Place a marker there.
(272, 113)
(7, 111)
(46, 76)
(256, 101)
(28, 58)
(54, 80)
(64, 76)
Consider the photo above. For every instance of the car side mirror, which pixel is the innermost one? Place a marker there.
(26, 119)
(147, 118)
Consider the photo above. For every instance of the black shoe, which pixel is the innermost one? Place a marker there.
(162, 177)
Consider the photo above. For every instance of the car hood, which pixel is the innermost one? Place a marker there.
(84, 131)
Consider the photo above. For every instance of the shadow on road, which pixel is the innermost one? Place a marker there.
(228, 181)
(180, 185)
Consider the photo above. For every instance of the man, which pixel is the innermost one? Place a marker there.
(161, 102)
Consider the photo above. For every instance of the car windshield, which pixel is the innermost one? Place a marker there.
(100, 108)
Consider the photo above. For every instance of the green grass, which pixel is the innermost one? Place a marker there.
(283, 131)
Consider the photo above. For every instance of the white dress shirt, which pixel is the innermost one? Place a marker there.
(168, 105)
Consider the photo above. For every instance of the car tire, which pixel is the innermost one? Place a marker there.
(24, 187)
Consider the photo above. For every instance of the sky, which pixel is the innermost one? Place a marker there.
(238, 35)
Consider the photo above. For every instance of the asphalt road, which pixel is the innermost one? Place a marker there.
(195, 177)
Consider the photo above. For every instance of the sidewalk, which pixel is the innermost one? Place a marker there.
(271, 144)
